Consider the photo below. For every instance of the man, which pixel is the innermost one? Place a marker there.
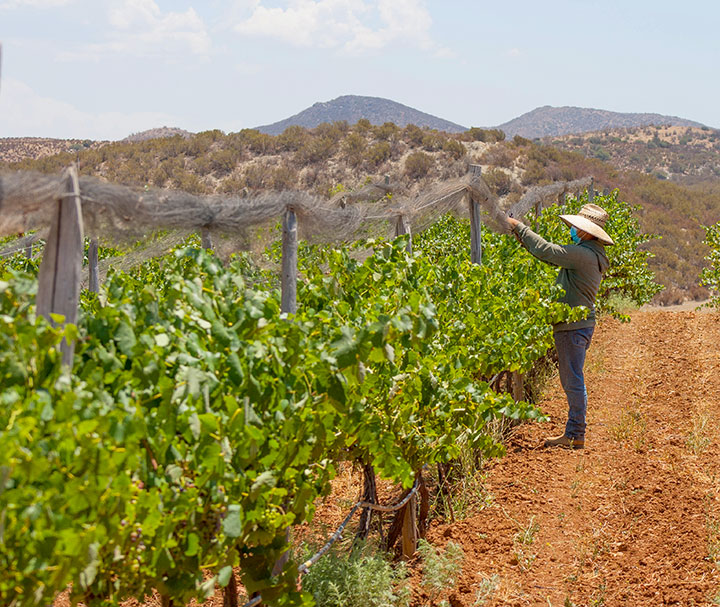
(582, 266)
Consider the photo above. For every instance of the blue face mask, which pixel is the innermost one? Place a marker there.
(574, 235)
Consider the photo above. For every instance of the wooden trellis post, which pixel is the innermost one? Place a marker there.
(475, 223)
(518, 386)
(93, 274)
(289, 263)
(288, 304)
(591, 190)
(402, 226)
(206, 238)
(61, 266)
(409, 529)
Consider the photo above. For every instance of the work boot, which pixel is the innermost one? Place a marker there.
(565, 442)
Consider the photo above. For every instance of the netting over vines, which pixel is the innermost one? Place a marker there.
(120, 213)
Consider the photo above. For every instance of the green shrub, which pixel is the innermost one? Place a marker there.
(360, 579)
(334, 131)
(441, 570)
(292, 138)
(191, 183)
(354, 148)
(362, 126)
(432, 141)
(413, 135)
(386, 131)
(485, 135)
(316, 150)
(454, 148)
(379, 153)
(710, 276)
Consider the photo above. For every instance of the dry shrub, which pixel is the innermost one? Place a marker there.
(454, 148)
(418, 164)
(354, 148)
(256, 176)
(670, 296)
(386, 132)
(499, 156)
(499, 182)
(283, 178)
(378, 153)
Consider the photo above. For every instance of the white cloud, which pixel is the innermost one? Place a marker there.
(514, 52)
(25, 113)
(356, 26)
(139, 28)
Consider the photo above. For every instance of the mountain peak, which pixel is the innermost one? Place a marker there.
(352, 108)
(549, 121)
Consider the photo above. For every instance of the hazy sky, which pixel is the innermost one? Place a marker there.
(102, 69)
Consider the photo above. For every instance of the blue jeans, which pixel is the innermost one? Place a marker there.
(571, 347)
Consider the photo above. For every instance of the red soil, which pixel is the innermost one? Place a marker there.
(634, 519)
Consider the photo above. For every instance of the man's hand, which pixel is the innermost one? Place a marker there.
(512, 222)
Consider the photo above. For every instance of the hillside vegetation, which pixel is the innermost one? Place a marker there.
(685, 154)
(548, 121)
(338, 156)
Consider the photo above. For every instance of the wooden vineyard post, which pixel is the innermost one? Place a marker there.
(409, 529)
(93, 275)
(475, 223)
(402, 226)
(289, 263)
(591, 190)
(518, 386)
(61, 266)
(369, 495)
(288, 305)
(230, 595)
(206, 239)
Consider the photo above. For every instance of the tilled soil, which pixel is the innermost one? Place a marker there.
(634, 518)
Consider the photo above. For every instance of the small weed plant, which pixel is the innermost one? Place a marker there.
(526, 535)
(441, 570)
(630, 429)
(359, 579)
(713, 540)
(486, 590)
(464, 487)
(523, 540)
(701, 435)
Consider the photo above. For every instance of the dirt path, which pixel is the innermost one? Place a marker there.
(634, 519)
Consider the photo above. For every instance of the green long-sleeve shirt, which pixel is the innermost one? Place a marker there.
(582, 268)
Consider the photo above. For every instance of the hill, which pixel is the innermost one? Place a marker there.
(15, 149)
(157, 133)
(548, 121)
(666, 152)
(351, 108)
(339, 157)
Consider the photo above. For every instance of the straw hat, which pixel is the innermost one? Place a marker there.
(590, 219)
